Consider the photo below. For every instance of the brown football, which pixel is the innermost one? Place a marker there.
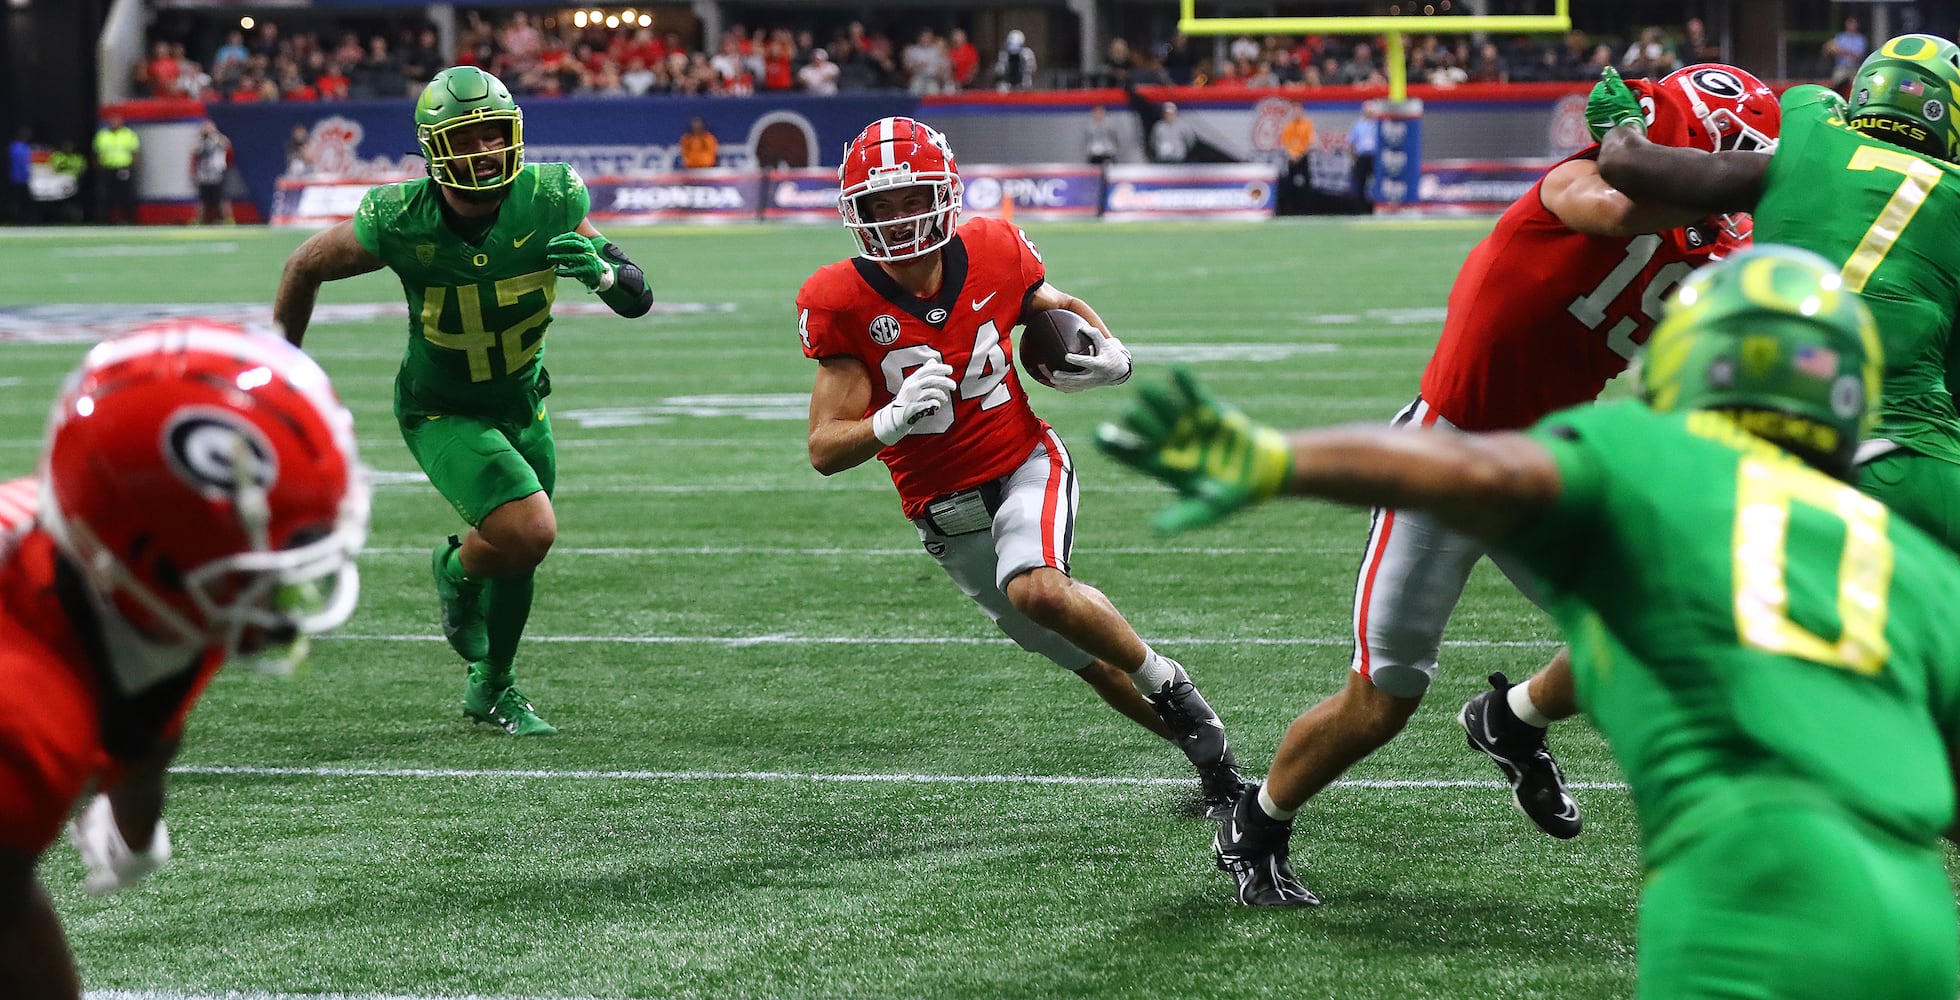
(1050, 336)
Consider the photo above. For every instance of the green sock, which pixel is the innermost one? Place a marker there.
(452, 566)
(508, 607)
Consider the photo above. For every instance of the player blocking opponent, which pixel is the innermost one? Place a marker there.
(198, 500)
(912, 340)
(1546, 309)
(479, 246)
(1874, 186)
(1766, 649)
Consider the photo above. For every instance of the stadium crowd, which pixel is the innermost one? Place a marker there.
(548, 56)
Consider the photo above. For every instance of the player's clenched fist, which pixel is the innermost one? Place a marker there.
(1611, 104)
(1212, 454)
(925, 392)
(577, 257)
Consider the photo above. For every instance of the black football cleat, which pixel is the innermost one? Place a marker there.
(1518, 749)
(1253, 850)
(1220, 784)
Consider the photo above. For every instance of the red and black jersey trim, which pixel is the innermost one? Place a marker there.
(935, 311)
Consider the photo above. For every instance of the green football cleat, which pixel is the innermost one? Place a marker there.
(504, 707)
(463, 623)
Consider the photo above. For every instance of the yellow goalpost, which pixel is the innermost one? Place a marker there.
(1391, 26)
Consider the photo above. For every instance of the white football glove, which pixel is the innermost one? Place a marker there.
(925, 392)
(111, 863)
(1110, 365)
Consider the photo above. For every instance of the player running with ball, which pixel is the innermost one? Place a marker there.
(912, 340)
(479, 246)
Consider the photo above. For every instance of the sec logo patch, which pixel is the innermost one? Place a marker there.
(884, 330)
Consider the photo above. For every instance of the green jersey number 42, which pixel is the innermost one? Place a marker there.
(476, 340)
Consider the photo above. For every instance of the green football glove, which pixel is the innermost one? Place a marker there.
(1611, 104)
(578, 257)
(1216, 458)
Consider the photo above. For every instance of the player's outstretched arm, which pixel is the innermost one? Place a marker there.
(329, 255)
(1704, 183)
(603, 267)
(1220, 462)
(1583, 200)
(1110, 365)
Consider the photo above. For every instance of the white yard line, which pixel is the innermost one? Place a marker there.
(502, 774)
(792, 639)
(262, 995)
(422, 551)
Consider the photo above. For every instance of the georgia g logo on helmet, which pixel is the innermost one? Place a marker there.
(217, 453)
(1717, 82)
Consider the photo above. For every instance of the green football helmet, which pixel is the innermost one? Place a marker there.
(456, 99)
(1771, 337)
(1904, 94)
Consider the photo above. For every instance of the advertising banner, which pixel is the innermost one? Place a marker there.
(704, 196)
(1198, 191)
(1037, 191)
(1476, 185)
(1398, 161)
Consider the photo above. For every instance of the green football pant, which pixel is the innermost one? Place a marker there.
(1790, 903)
(1922, 489)
(479, 464)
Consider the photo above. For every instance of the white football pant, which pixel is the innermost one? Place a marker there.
(1412, 574)
(1033, 526)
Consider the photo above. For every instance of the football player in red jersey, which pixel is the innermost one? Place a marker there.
(912, 340)
(1546, 309)
(198, 499)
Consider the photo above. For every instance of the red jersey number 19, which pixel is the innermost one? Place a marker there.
(1591, 309)
(986, 375)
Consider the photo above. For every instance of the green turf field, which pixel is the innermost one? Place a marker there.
(795, 762)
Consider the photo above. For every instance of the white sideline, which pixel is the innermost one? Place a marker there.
(790, 639)
(909, 550)
(226, 770)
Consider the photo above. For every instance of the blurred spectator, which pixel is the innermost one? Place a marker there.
(1171, 139)
(160, 73)
(819, 75)
(210, 161)
(1649, 56)
(116, 151)
(332, 82)
(1296, 136)
(1446, 72)
(638, 78)
(1360, 69)
(1243, 47)
(378, 74)
(1364, 137)
(299, 158)
(779, 62)
(266, 41)
(927, 69)
(20, 178)
(1490, 66)
(1179, 60)
(230, 57)
(963, 59)
(1100, 140)
(421, 61)
(1014, 70)
(67, 165)
(699, 148)
(1697, 47)
(522, 43)
(1847, 50)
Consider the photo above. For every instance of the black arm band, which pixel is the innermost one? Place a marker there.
(629, 295)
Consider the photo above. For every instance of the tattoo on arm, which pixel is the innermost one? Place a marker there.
(329, 255)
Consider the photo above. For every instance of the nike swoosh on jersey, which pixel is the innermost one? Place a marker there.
(521, 240)
(980, 304)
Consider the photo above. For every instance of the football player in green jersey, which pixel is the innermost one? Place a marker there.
(1782, 692)
(479, 246)
(1872, 187)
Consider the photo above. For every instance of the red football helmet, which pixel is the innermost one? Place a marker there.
(204, 481)
(1712, 107)
(895, 153)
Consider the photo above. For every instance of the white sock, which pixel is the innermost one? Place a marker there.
(1271, 808)
(1519, 698)
(1157, 670)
